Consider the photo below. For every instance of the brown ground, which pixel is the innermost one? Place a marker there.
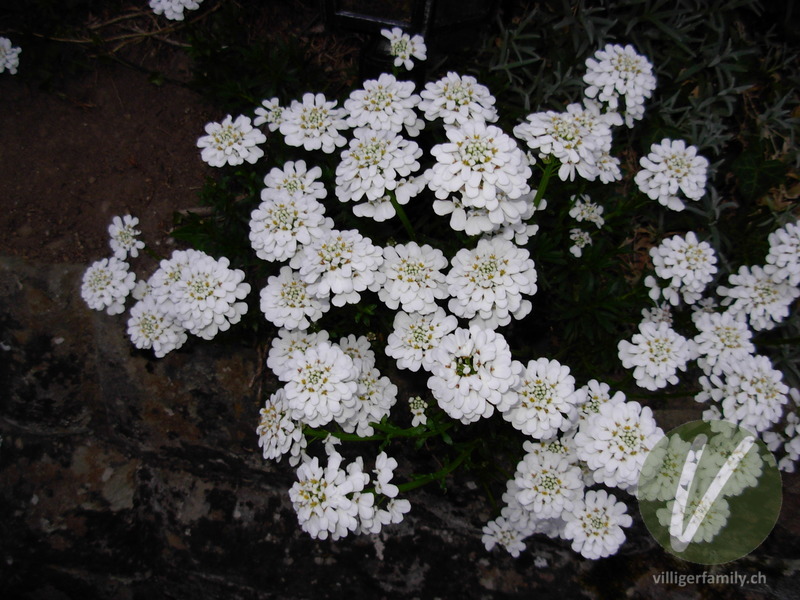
(112, 143)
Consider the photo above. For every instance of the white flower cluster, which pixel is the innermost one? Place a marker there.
(9, 56)
(687, 264)
(403, 47)
(173, 9)
(618, 72)
(190, 293)
(580, 138)
(231, 142)
(670, 168)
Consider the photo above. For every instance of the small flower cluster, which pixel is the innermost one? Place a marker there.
(190, 293)
(173, 9)
(9, 56)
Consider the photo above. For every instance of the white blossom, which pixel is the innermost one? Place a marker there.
(106, 284)
(151, 326)
(385, 104)
(472, 373)
(314, 123)
(373, 163)
(687, 265)
(457, 99)
(615, 441)
(416, 335)
(783, 260)
(548, 484)
(487, 284)
(319, 380)
(231, 142)
(373, 400)
(414, 280)
(655, 354)
(595, 524)
(342, 264)
(403, 47)
(755, 295)
(173, 9)
(286, 342)
(283, 223)
(286, 301)
(619, 72)
(672, 167)
(278, 433)
(270, 113)
(418, 406)
(123, 237)
(583, 209)
(9, 56)
(722, 343)
(544, 400)
(580, 239)
(296, 179)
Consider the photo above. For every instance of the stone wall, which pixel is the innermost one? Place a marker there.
(124, 476)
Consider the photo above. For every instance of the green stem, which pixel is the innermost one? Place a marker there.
(403, 217)
(438, 475)
(548, 171)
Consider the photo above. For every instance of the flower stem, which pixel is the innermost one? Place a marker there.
(403, 217)
(421, 480)
(548, 171)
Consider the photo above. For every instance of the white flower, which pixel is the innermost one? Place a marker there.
(615, 441)
(595, 524)
(417, 406)
(296, 179)
(486, 284)
(318, 382)
(580, 239)
(472, 373)
(123, 232)
(590, 397)
(583, 209)
(755, 295)
(723, 342)
(457, 99)
(414, 280)
(662, 470)
(715, 518)
(783, 260)
(321, 497)
(285, 344)
(9, 56)
(384, 472)
(751, 393)
(286, 301)
(672, 167)
(385, 104)
(688, 266)
(404, 46)
(270, 113)
(381, 209)
(231, 142)
(283, 223)
(359, 349)
(544, 400)
(106, 285)
(658, 314)
(373, 400)
(655, 354)
(149, 326)
(501, 532)
(744, 475)
(607, 167)
(577, 138)
(343, 263)
(548, 484)
(208, 296)
(173, 9)
(277, 433)
(373, 164)
(314, 124)
(619, 72)
(479, 161)
(416, 335)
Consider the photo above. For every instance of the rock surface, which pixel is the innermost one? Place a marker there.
(123, 476)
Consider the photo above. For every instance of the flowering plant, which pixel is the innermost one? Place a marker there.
(412, 304)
